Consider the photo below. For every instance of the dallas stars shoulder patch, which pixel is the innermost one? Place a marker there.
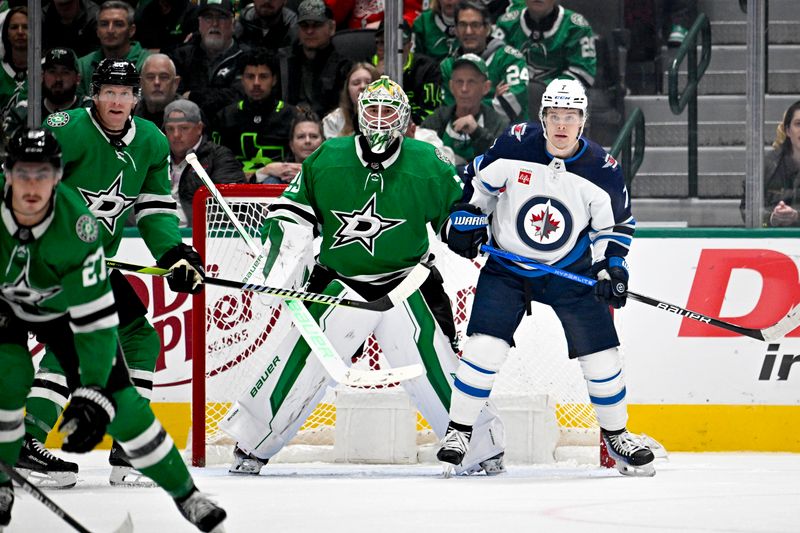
(57, 119)
(86, 228)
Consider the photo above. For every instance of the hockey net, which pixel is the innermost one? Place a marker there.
(234, 334)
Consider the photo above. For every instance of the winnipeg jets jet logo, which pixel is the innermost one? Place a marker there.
(108, 205)
(20, 292)
(362, 226)
(544, 223)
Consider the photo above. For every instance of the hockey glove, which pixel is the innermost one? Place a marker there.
(612, 281)
(85, 419)
(467, 230)
(186, 269)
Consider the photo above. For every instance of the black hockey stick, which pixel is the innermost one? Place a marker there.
(786, 324)
(406, 288)
(33, 490)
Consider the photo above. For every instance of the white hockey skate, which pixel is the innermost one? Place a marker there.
(205, 514)
(245, 463)
(44, 469)
(632, 455)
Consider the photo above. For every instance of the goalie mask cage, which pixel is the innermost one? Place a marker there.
(234, 334)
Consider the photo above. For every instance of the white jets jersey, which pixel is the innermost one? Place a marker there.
(549, 209)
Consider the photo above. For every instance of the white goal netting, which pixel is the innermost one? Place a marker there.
(236, 334)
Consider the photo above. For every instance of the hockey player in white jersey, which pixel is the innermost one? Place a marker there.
(371, 198)
(556, 198)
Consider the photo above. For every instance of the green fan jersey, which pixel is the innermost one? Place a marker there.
(58, 268)
(372, 217)
(13, 87)
(112, 180)
(433, 37)
(567, 49)
(506, 65)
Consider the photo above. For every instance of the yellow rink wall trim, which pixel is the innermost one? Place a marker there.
(680, 428)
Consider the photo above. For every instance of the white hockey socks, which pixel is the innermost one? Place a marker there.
(481, 360)
(606, 384)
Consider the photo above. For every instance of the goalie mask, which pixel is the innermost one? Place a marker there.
(565, 94)
(383, 113)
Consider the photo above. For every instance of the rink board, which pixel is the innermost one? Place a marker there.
(692, 386)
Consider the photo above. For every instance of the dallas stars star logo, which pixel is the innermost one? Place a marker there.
(21, 292)
(108, 205)
(362, 226)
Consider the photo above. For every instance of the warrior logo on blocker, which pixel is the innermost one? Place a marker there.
(544, 223)
(362, 226)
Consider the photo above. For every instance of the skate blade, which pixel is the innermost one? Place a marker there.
(447, 471)
(125, 476)
(647, 470)
(50, 480)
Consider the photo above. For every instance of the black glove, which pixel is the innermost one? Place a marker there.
(467, 230)
(186, 269)
(85, 420)
(612, 281)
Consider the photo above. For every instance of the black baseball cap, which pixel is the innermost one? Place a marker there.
(222, 6)
(60, 56)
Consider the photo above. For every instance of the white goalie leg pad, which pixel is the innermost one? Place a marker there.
(251, 419)
(290, 251)
(409, 334)
(481, 359)
(605, 381)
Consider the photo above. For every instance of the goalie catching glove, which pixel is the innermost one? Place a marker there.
(612, 281)
(86, 419)
(186, 269)
(467, 230)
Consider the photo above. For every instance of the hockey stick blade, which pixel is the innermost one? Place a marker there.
(33, 490)
(412, 282)
(768, 334)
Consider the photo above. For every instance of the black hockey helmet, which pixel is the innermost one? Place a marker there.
(34, 145)
(116, 72)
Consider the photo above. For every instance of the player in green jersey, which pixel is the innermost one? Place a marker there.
(53, 283)
(371, 197)
(115, 162)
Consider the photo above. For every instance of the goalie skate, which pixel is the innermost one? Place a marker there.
(122, 473)
(632, 456)
(44, 469)
(205, 514)
(245, 463)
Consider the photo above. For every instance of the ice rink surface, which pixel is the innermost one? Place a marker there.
(719, 492)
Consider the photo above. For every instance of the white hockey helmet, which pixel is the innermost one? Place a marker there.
(566, 93)
(383, 113)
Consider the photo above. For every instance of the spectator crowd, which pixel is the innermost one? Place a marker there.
(253, 87)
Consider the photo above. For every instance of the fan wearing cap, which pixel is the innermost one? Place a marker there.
(183, 125)
(421, 75)
(209, 63)
(115, 29)
(60, 79)
(468, 126)
(552, 197)
(316, 71)
(117, 164)
(54, 283)
(508, 72)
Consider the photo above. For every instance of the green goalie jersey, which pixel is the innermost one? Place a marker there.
(372, 218)
(58, 268)
(566, 49)
(113, 179)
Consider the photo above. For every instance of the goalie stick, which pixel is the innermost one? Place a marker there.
(405, 289)
(786, 324)
(305, 323)
(33, 490)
